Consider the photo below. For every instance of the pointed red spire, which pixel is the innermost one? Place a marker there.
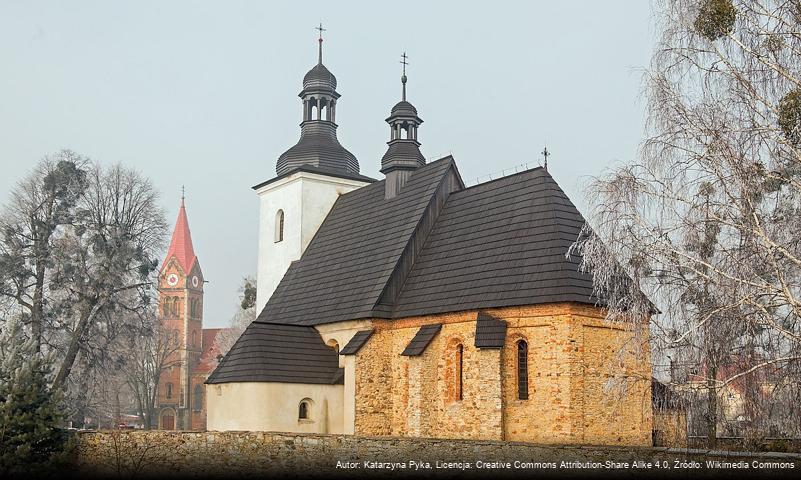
(181, 243)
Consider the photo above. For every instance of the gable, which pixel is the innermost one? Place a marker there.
(344, 270)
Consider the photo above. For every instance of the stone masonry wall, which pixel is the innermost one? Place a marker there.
(417, 395)
(142, 454)
(586, 383)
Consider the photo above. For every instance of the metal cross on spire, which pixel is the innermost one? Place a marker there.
(404, 61)
(320, 31)
(183, 194)
(546, 154)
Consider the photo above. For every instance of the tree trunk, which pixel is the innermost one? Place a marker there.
(87, 316)
(712, 408)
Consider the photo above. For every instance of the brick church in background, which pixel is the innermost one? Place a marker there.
(181, 402)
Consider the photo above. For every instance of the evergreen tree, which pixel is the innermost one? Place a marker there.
(30, 441)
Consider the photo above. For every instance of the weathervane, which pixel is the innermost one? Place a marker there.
(404, 61)
(183, 194)
(546, 154)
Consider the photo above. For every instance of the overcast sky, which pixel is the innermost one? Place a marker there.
(204, 94)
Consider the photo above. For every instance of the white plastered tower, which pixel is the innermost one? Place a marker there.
(310, 177)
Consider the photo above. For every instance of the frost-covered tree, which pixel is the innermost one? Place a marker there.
(245, 314)
(705, 222)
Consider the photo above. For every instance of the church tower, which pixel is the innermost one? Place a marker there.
(180, 289)
(310, 177)
(403, 154)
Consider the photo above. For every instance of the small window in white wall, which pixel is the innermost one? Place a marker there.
(304, 409)
(279, 226)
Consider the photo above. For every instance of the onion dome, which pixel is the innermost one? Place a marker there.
(404, 108)
(319, 78)
(318, 145)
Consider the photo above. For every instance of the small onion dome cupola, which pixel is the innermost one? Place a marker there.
(318, 145)
(403, 155)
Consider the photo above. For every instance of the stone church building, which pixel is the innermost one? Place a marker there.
(192, 352)
(416, 306)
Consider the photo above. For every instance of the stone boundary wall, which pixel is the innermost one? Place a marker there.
(143, 454)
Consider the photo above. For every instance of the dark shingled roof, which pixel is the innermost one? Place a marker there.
(346, 266)
(497, 244)
(421, 340)
(320, 171)
(490, 331)
(318, 146)
(279, 353)
(357, 342)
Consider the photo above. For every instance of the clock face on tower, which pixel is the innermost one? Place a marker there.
(195, 281)
(172, 279)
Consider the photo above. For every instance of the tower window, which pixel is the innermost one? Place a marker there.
(169, 390)
(304, 408)
(522, 370)
(197, 398)
(279, 226)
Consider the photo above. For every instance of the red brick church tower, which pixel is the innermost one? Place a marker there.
(181, 402)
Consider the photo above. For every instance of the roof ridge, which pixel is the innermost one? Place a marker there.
(530, 170)
(410, 241)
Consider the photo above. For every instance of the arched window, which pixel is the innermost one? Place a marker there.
(522, 370)
(458, 380)
(194, 339)
(303, 410)
(174, 307)
(279, 226)
(169, 390)
(197, 398)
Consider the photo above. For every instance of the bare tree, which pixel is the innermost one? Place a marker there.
(39, 205)
(706, 221)
(150, 354)
(77, 257)
(245, 314)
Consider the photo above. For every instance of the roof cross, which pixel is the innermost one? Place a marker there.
(546, 154)
(404, 61)
(320, 29)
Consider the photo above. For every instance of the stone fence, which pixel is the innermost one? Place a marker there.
(142, 454)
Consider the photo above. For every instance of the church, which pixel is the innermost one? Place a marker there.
(414, 305)
(191, 350)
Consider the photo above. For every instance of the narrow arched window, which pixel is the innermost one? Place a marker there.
(169, 390)
(197, 398)
(194, 339)
(303, 410)
(279, 226)
(459, 372)
(522, 370)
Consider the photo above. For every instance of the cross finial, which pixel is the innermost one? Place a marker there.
(183, 194)
(404, 61)
(546, 154)
(320, 31)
